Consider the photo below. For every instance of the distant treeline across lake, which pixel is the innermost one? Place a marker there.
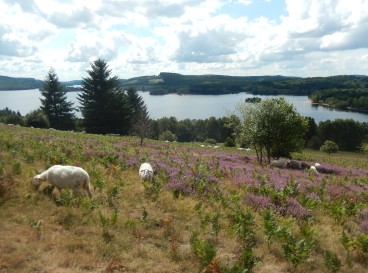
(185, 106)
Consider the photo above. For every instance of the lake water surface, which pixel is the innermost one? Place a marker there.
(187, 106)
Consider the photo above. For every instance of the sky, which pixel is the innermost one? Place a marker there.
(305, 38)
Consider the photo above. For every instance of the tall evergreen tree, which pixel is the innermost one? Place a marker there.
(58, 110)
(104, 105)
(137, 105)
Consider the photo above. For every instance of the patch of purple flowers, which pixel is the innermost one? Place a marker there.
(294, 209)
(364, 227)
(258, 201)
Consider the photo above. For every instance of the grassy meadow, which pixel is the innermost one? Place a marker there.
(208, 210)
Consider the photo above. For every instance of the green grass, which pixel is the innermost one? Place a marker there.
(129, 226)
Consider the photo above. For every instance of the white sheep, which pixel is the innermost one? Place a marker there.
(313, 168)
(146, 172)
(61, 177)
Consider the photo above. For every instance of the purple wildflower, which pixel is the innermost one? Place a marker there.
(364, 227)
(294, 209)
(258, 201)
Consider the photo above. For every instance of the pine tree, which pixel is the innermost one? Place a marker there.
(55, 105)
(137, 105)
(104, 105)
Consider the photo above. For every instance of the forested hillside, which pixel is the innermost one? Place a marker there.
(345, 91)
(10, 83)
(166, 83)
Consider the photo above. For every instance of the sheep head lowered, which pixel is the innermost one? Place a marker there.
(61, 177)
(146, 172)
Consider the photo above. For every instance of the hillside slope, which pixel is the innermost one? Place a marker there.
(209, 210)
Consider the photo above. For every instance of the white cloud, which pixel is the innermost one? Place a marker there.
(311, 37)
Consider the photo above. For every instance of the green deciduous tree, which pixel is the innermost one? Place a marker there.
(272, 127)
(54, 103)
(104, 105)
(329, 147)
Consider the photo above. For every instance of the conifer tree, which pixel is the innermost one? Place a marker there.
(137, 104)
(54, 103)
(104, 105)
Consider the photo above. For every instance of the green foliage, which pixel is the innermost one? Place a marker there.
(17, 168)
(230, 142)
(166, 83)
(332, 261)
(8, 116)
(203, 249)
(37, 119)
(9, 83)
(338, 210)
(271, 227)
(297, 250)
(167, 136)
(107, 222)
(54, 103)
(272, 127)
(346, 133)
(112, 194)
(214, 221)
(104, 104)
(244, 229)
(210, 141)
(355, 97)
(362, 241)
(329, 147)
(66, 198)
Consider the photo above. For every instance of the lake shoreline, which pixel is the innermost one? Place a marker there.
(348, 109)
(184, 106)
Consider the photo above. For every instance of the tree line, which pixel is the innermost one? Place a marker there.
(356, 99)
(272, 127)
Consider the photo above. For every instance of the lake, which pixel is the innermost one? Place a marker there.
(185, 106)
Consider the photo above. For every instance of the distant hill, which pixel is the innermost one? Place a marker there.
(166, 83)
(10, 83)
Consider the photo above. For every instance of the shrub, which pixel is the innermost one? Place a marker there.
(13, 119)
(210, 141)
(38, 119)
(168, 136)
(329, 147)
(332, 262)
(203, 249)
(230, 142)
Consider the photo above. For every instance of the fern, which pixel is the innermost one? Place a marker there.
(332, 262)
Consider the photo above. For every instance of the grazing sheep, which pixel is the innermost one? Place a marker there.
(325, 170)
(313, 168)
(61, 177)
(294, 164)
(146, 172)
(278, 163)
(305, 165)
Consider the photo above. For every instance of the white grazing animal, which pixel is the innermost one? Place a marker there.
(61, 177)
(146, 172)
(313, 168)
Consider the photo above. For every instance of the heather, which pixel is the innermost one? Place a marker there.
(209, 210)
